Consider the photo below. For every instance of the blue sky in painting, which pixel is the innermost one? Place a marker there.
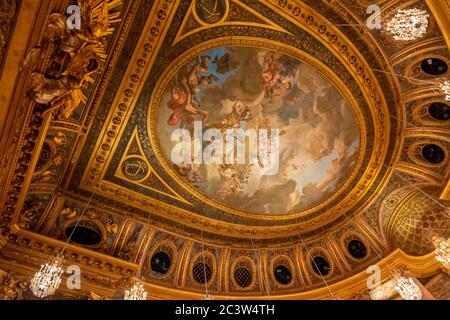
(219, 52)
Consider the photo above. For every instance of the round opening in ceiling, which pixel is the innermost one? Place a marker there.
(202, 272)
(243, 277)
(320, 266)
(439, 111)
(83, 235)
(434, 67)
(160, 263)
(433, 153)
(282, 274)
(357, 249)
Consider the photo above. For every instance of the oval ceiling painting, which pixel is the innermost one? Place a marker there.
(257, 130)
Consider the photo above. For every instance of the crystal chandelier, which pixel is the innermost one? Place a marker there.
(45, 282)
(444, 86)
(207, 297)
(406, 287)
(408, 25)
(136, 292)
(442, 251)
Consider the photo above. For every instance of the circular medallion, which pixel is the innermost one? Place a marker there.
(135, 168)
(210, 11)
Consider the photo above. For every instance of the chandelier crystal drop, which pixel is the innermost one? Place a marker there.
(46, 281)
(408, 25)
(442, 252)
(136, 292)
(207, 297)
(444, 86)
(406, 287)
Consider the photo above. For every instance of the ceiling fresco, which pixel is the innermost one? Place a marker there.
(251, 88)
(277, 141)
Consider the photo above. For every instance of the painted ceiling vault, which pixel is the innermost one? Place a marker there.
(88, 145)
(252, 88)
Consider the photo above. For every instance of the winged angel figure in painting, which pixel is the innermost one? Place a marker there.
(85, 49)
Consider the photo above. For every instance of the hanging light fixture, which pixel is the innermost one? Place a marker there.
(46, 281)
(207, 297)
(408, 25)
(406, 286)
(442, 252)
(136, 292)
(444, 86)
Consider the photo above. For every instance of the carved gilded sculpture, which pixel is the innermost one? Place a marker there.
(86, 49)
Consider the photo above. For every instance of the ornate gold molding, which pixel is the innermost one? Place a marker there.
(163, 82)
(441, 12)
(3, 241)
(121, 109)
(446, 193)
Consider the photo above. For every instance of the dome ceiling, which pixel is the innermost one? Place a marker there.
(355, 113)
(334, 128)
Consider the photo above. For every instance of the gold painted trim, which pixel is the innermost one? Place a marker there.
(151, 171)
(72, 248)
(203, 23)
(139, 66)
(204, 26)
(418, 171)
(421, 266)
